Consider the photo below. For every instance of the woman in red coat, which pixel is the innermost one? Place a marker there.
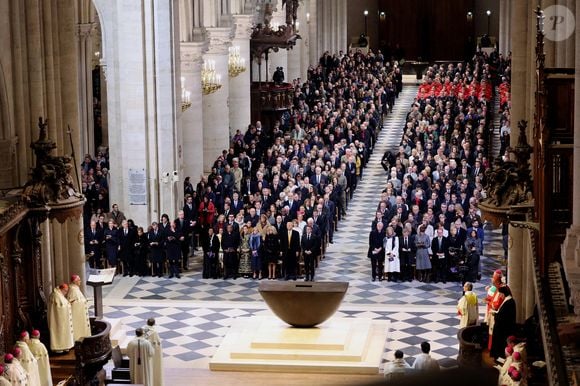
(206, 212)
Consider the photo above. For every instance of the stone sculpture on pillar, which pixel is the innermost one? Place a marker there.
(509, 182)
(51, 179)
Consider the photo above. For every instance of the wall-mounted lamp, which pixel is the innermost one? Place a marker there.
(382, 15)
(366, 13)
(308, 17)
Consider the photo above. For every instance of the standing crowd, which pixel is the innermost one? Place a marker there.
(428, 225)
(273, 200)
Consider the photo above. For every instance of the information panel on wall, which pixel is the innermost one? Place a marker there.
(137, 187)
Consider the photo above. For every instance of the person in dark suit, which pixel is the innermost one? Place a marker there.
(293, 204)
(211, 249)
(184, 230)
(230, 244)
(236, 204)
(111, 240)
(93, 247)
(310, 251)
(164, 225)
(407, 251)
(156, 242)
(290, 250)
(190, 212)
(376, 252)
(127, 237)
(329, 210)
(173, 239)
(141, 252)
(440, 249)
(319, 180)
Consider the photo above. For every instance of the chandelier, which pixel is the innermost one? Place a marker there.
(236, 64)
(185, 96)
(210, 80)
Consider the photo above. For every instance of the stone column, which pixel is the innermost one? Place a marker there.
(48, 267)
(571, 41)
(240, 102)
(312, 21)
(515, 267)
(140, 54)
(520, 14)
(75, 248)
(216, 116)
(85, 87)
(305, 41)
(331, 25)
(505, 26)
(554, 50)
(191, 127)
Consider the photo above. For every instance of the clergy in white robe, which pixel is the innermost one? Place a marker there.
(140, 353)
(153, 337)
(60, 320)
(40, 352)
(392, 261)
(14, 372)
(27, 359)
(80, 309)
(3, 380)
(467, 307)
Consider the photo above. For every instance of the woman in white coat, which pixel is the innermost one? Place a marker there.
(392, 262)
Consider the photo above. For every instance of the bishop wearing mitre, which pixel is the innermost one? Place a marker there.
(60, 320)
(14, 372)
(40, 352)
(3, 380)
(80, 309)
(153, 337)
(28, 360)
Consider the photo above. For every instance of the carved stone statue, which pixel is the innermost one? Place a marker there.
(51, 179)
(509, 182)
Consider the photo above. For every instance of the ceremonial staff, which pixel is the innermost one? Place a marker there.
(69, 132)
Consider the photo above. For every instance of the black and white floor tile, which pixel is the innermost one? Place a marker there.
(193, 314)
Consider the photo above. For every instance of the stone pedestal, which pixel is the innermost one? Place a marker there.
(240, 101)
(216, 116)
(340, 345)
(191, 119)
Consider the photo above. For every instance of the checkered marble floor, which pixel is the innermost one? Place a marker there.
(194, 314)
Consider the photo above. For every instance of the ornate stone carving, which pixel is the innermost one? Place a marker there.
(220, 39)
(51, 179)
(509, 182)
